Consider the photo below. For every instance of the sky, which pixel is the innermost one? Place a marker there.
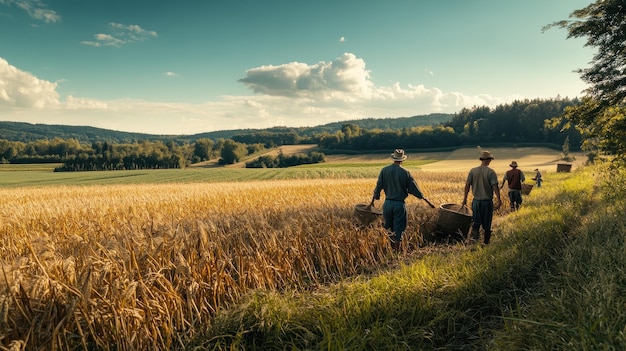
(194, 66)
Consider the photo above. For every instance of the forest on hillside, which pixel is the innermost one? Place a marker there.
(527, 122)
(27, 132)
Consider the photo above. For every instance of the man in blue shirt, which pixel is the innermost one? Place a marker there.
(397, 183)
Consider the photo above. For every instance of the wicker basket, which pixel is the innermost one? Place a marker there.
(367, 214)
(454, 218)
(526, 188)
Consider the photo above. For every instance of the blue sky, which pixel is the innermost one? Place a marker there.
(193, 66)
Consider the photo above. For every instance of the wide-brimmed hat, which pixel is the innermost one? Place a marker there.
(486, 155)
(399, 155)
(513, 164)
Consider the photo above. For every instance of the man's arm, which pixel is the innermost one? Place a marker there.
(466, 192)
(377, 189)
(503, 181)
(499, 200)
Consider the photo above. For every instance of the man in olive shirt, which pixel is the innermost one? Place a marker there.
(484, 183)
(397, 183)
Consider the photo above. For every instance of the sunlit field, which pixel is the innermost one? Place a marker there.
(28, 175)
(144, 260)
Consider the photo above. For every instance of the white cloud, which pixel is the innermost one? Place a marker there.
(72, 103)
(133, 32)
(345, 77)
(342, 39)
(120, 35)
(23, 90)
(170, 74)
(35, 9)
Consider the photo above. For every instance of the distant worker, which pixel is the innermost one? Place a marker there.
(397, 183)
(484, 183)
(514, 177)
(538, 177)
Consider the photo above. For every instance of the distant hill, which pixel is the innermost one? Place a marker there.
(26, 132)
(366, 123)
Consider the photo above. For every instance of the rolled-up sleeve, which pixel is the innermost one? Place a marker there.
(412, 187)
(379, 187)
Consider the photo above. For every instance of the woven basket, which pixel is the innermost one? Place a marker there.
(526, 188)
(367, 214)
(454, 218)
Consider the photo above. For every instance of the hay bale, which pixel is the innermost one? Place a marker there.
(454, 219)
(367, 214)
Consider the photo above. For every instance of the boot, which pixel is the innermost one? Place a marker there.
(475, 235)
(395, 245)
(487, 236)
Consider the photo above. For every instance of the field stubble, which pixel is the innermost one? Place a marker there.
(144, 266)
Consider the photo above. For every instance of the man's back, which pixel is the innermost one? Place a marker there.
(482, 179)
(397, 183)
(514, 178)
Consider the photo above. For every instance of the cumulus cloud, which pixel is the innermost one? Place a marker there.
(342, 39)
(345, 83)
(22, 89)
(170, 74)
(119, 35)
(35, 9)
(345, 77)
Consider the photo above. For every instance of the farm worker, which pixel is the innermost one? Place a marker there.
(484, 183)
(538, 177)
(515, 177)
(398, 183)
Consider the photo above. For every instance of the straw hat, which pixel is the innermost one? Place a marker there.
(486, 155)
(398, 155)
(513, 164)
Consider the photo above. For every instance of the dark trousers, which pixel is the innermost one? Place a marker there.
(394, 216)
(482, 215)
(515, 197)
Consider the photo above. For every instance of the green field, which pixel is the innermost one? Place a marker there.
(43, 175)
(336, 167)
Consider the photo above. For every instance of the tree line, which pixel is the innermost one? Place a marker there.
(521, 122)
(282, 161)
(77, 156)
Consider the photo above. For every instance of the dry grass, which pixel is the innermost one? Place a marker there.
(143, 266)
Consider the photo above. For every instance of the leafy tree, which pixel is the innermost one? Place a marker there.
(601, 114)
(202, 149)
(566, 147)
(232, 152)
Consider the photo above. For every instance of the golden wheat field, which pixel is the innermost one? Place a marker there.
(145, 266)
